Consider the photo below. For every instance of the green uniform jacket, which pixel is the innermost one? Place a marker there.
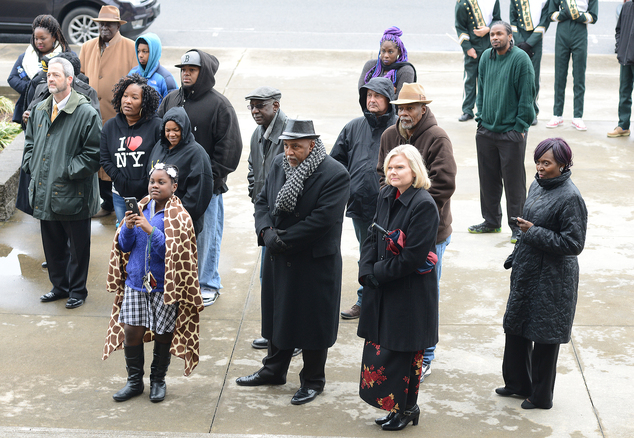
(506, 91)
(469, 17)
(562, 10)
(63, 158)
(520, 13)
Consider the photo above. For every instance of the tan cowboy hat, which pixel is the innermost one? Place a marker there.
(109, 13)
(411, 93)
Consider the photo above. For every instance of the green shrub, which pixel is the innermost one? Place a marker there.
(8, 129)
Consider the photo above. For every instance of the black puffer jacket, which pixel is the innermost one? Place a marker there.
(357, 148)
(214, 121)
(545, 277)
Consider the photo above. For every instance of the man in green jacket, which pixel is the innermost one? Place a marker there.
(506, 93)
(529, 21)
(61, 152)
(572, 17)
(473, 18)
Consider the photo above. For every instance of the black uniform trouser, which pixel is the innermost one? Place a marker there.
(625, 95)
(536, 60)
(571, 40)
(312, 376)
(105, 192)
(529, 369)
(470, 82)
(67, 251)
(501, 160)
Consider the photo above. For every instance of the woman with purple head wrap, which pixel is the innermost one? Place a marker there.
(391, 63)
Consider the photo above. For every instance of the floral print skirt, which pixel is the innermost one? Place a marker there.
(389, 379)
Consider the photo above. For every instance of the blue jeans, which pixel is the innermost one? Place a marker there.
(119, 207)
(209, 241)
(429, 353)
(361, 231)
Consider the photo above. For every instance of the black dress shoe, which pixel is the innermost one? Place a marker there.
(402, 419)
(74, 303)
(527, 404)
(382, 420)
(508, 393)
(304, 395)
(52, 296)
(296, 351)
(464, 117)
(256, 380)
(44, 265)
(260, 343)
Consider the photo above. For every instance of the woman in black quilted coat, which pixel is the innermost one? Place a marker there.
(545, 277)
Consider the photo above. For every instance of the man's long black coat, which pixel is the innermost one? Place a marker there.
(301, 288)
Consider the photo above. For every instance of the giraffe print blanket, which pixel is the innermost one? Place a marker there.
(181, 285)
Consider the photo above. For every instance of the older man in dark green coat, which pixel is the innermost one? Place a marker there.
(61, 152)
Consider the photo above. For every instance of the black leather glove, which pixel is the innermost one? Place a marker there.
(272, 240)
(527, 48)
(371, 281)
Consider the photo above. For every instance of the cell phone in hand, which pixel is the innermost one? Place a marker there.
(131, 205)
(514, 219)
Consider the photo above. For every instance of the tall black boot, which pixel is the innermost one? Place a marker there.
(160, 364)
(134, 360)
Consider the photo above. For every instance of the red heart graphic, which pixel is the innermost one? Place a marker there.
(133, 143)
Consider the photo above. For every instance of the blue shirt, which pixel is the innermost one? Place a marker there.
(134, 240)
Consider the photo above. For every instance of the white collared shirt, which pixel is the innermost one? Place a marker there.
(61, 105)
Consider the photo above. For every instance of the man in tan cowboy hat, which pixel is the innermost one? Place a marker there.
(417, 126)
(105, 60)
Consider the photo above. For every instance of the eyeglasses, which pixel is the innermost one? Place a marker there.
(258, 106)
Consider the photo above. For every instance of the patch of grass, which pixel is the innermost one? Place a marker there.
(8, 129)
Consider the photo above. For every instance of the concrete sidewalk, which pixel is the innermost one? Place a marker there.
(56, 385)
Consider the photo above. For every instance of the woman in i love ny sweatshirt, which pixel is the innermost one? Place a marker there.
(128, 138)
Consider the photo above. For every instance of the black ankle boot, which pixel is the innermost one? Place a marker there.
(159, 366)
(134, 360)
(382, 420)
(400, 420)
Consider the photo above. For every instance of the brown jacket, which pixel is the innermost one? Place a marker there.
(104, 71)
(435, 147)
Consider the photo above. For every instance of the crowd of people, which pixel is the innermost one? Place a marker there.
(112, 124)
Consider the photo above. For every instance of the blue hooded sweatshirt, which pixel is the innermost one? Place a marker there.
(157, 76)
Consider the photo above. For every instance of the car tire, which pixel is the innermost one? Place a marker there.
(78, 26)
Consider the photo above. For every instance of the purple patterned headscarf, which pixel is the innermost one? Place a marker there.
(392, 34)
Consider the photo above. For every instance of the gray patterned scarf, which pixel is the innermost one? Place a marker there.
(295, 177)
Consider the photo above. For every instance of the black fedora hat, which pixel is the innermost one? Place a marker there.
(299, 129)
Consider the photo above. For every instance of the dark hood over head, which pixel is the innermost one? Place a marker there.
(379, 85)
(178, 116)
(385, 87)
(207, 76)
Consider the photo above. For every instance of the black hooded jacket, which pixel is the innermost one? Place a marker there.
(357, 148)
(214, 121)
(195, 180)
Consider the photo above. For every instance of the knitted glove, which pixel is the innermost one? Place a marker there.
(273, 242)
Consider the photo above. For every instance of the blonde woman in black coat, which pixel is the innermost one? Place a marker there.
(545, 278)
(399, 313)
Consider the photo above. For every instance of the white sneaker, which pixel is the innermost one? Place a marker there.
(555, 122)
(209, 296)
(578, 123)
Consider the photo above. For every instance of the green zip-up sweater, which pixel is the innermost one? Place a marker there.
(506, 91)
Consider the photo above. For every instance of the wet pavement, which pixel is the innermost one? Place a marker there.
(56, 385)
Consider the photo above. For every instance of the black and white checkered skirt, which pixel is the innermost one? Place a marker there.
(148, 310)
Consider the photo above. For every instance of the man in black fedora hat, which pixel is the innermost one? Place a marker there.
(298, 217)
